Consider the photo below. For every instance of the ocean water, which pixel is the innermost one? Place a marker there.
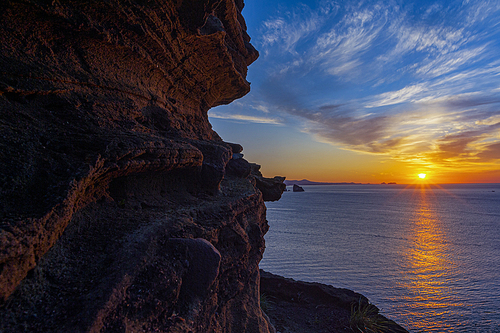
(428, 257)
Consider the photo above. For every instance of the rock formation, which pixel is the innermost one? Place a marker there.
(297, 188)
(117, 213)
(271, 188)
(305, 307)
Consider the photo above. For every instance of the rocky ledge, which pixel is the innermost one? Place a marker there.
(305, 307)
(178, 262)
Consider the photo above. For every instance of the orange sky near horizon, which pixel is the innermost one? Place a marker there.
(377, 173)
(371, 92)
(296, 155)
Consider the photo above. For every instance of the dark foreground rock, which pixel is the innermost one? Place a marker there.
(117, 209)
(271, 188)
(304, 307)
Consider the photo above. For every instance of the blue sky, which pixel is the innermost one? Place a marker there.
(371, 90)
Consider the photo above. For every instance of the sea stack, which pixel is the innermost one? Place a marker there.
(297, 188)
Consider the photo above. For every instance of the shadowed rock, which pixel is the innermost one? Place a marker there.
(202, 262)
(238, 168)
(235, 147)
(297, 188)
(92, 91)
(307, 307)
(271, 188)
(106, 153)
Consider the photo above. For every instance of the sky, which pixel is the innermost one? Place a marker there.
(371, 91)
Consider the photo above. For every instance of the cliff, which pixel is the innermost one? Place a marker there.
(121, 209)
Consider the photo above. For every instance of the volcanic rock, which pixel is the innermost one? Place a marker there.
(235, 147)
(238, 167)
(271, 188)
(307, 307)
(111, 175)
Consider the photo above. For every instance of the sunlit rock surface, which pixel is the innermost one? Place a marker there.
(110, 173)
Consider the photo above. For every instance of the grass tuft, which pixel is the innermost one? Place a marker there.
(366, 319)
(266, 303)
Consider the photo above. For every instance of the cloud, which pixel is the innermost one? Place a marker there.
(467, 149)
(338, 124)
(339, 51)
(440, 133)
(415, 82)
(361, 42)
(443, 64)
(490, 153)
(395, 97)
(293, 27)
(261, 108)
(455, 145)
(245, 118)
(480, 11)
(470, 78)
(421, 39)
(493, 120)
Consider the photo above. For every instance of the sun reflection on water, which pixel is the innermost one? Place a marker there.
(429, 265)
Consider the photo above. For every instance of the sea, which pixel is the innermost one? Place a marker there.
(428, 256)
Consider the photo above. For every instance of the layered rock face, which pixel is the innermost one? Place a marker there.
(117, 213)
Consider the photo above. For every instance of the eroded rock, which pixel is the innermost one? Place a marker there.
(203, 261)
(271, 188)
(106, 154)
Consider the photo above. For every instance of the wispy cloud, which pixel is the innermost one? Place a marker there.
(339, 51)
(245, 118)
(286, 31)
(490, 153)
(360, 40)
(448, 63)
(433, 133)
(430, 40)
(480, 11)
(395, 97)
(414, 83)
(493, 120)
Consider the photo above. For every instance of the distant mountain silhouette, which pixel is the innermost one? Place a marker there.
(309, 182)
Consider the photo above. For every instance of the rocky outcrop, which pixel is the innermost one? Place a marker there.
(141, 265)
(297, 188)
(117, 210)
(271, 188)
(237, 165)
(305, 307)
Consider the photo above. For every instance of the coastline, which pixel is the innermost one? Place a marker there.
(371, 239)
(310, 307)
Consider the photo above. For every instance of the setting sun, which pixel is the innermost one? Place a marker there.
(421, 175)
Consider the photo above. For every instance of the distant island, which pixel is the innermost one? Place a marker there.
(309, 182)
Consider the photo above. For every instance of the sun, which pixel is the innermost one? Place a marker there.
(421, 175)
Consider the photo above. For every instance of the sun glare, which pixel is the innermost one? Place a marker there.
(421, 175)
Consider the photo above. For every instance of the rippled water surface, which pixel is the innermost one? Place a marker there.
(428, 257)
